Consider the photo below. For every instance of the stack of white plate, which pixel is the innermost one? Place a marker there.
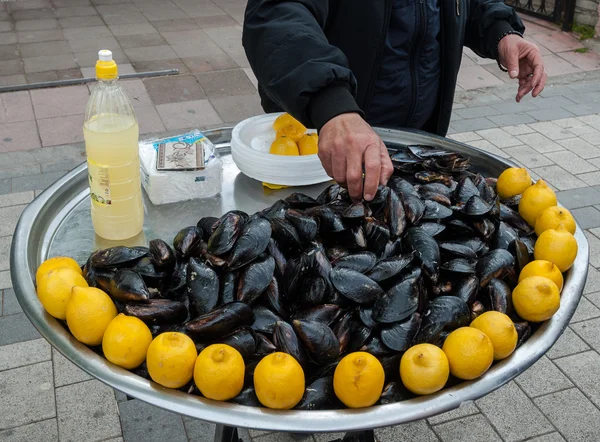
(250, 143)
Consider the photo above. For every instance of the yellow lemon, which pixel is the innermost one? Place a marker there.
(89, 311)
(284, 146)
(171, 358)
(552, 217)
(287, 120)
(54, 289)
(513, 181)
(292, 132)
(501, 330)
(536, 299)
(541, 267)
(309, 144)
(219, 372)
(424, 369)
(126, 341)
(358, 380)
(470, 352)
(535, 200)
(279, 381)
(558, 246)
(56, 263)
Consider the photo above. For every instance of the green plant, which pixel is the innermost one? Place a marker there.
(584, 31)
(582, 50)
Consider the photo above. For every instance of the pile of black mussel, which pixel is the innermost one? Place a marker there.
(319, 278)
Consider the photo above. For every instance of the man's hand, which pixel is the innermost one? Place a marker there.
(523, 61)
(346, 142)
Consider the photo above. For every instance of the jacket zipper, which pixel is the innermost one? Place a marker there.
(416, 48)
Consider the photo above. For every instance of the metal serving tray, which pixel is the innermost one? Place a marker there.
(58, 223)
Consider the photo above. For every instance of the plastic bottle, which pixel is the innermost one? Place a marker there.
(111, 135)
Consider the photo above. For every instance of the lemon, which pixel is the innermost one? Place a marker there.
(358, 380)
(536, 299)
(535, 200)
(541, 267)
(54, 289)
(501, 330)
(279, 381)
(126, 341)
(513, 181)
(470, 352)
(89, 311)
(424, 369)
(56, 263)
(284, 146)
(309, 144)
(219, 372)
(171, 358)
(552, 217)
(292, 132)
(558, 246)
(287, 120)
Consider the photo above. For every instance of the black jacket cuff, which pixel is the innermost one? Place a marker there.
(494, 33)
(329, 102)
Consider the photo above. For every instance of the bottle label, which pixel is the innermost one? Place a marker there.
(99, 183)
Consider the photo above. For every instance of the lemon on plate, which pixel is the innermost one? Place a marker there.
(56, 263)
(286, 119)
(219, 372)
(126, 341)
(541, 267)
(89, 312)
(552, 217)
(536, 299)
(501, 330)
(470, 352)
(558, 246)
(535, 200)
(171, 358)
(293, 132)
(513, 181)
(54, 289)
(284, 146)
(309, 144)
(424, 369)
(279, 381)
(358, 380)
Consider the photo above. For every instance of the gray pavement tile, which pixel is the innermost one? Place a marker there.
(49, 63)
(32, 14)
(43, 431)
(64, 165)
(132, 29)
(528, 157)
(174, 89)
(589, 331)
(37, 24)
(512, 107)
(591, 178)
(12, 80)
(594, 298)
(465, 137)
(572, 414)
(465, 409)
(75, 11)
(328, 437)
(585, 310)
(159, 65)
(35, 182)
(10, 305)
(65, 372)
(550, 114)
(9, 52)
(568, 344)
(542, 378)
(587, 97)
(540, 143)
(550, 437)
(573, 199)
(138, 41)
(592, 138)
(5, 186)
(473, 124)
(418, 430)
(571, 162)
(5, 242)
(11, 67)
(150, 53)
(27, 395)
(499, 137)
(77, 22)
(199, 431)
(33, 36)
(183, 24)
(559, 177)
(488, 147)
(582, 109)
(24, 353)
(468, 429)
(121, 397)
(587, 217)
(236, 109)
(584, 370)
(226, 83)
(92, 44)
(518, 129)
(16, 328)
(5, 281)
(142, 421)
(580, 147)
(476, 112)
(87, 411)
(9, 216)
(216, 21)
(188, 114)
(594, 243)
(553, 102)
(513, 414)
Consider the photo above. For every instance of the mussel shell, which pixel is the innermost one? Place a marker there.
(277, 210)
(355, 286)
(375, 347)
(457, 227)
(242, 340)
(360, 262)
(401, 186)
(523, 332)
(458, 266)
(324, 313)
(356, 211)
(319, 395)
(431, 228)
(465, 189)
(264, 346)
(221, 321)
(336, 252)
(343, 330)
(444, 313)
(300, 201)
(207, 225)
(504, 236)
(306, 226)
(252, 242)
(495, 264)
(228, 287)
(224, 236)
(436, 197)
(125, 286)
(498, 297)
(394, 215)
(485, 228)
(286, 340)
(397, 304)
(255, 278)
(162, 255)
(274, 298)
(425, 249)
(400, 336)
(329, 220)
(435, 211)
(477, 309)
(264, 320)
(366, 316)
(319, 340)
(247, 397)
(158, 311)
(202, 287)
(278, 256)
(359, 334)
(187, 241)
(457, 250)
(392, 249)
(414, 208)
(519, 250)
(513, 218)
(114, 257)
(466, 289)
(329, 194)
(378, 235)
(438, 188)
(394, 392)
(389, 267)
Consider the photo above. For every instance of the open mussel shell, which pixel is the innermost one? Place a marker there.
(360, 262)
(495, 264)
(355, 286)
(444, 313)
(202, 287)
(400, 336)
(319, 340)
(158, 311)
(319, 395)
(252, 242)
(117, 257)
(221, 321)
(255, 278)
(224, 236)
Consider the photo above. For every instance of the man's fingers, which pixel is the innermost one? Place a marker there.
(540, 86)
(512, 62)
(326, 161)
(354, 173)
(538, 68)
(339, 170)
(387, 168)
(372, 170)
(524, 89)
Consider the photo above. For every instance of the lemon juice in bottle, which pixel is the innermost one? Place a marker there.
(111, 135)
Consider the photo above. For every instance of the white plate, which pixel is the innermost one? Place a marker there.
(250, 143)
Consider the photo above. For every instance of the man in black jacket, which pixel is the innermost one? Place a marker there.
(343, 65)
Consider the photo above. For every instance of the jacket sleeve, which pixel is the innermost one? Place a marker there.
(294, 63)
(487, 21)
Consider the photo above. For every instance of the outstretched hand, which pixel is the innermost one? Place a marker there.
(346, 143)
(523, 61)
